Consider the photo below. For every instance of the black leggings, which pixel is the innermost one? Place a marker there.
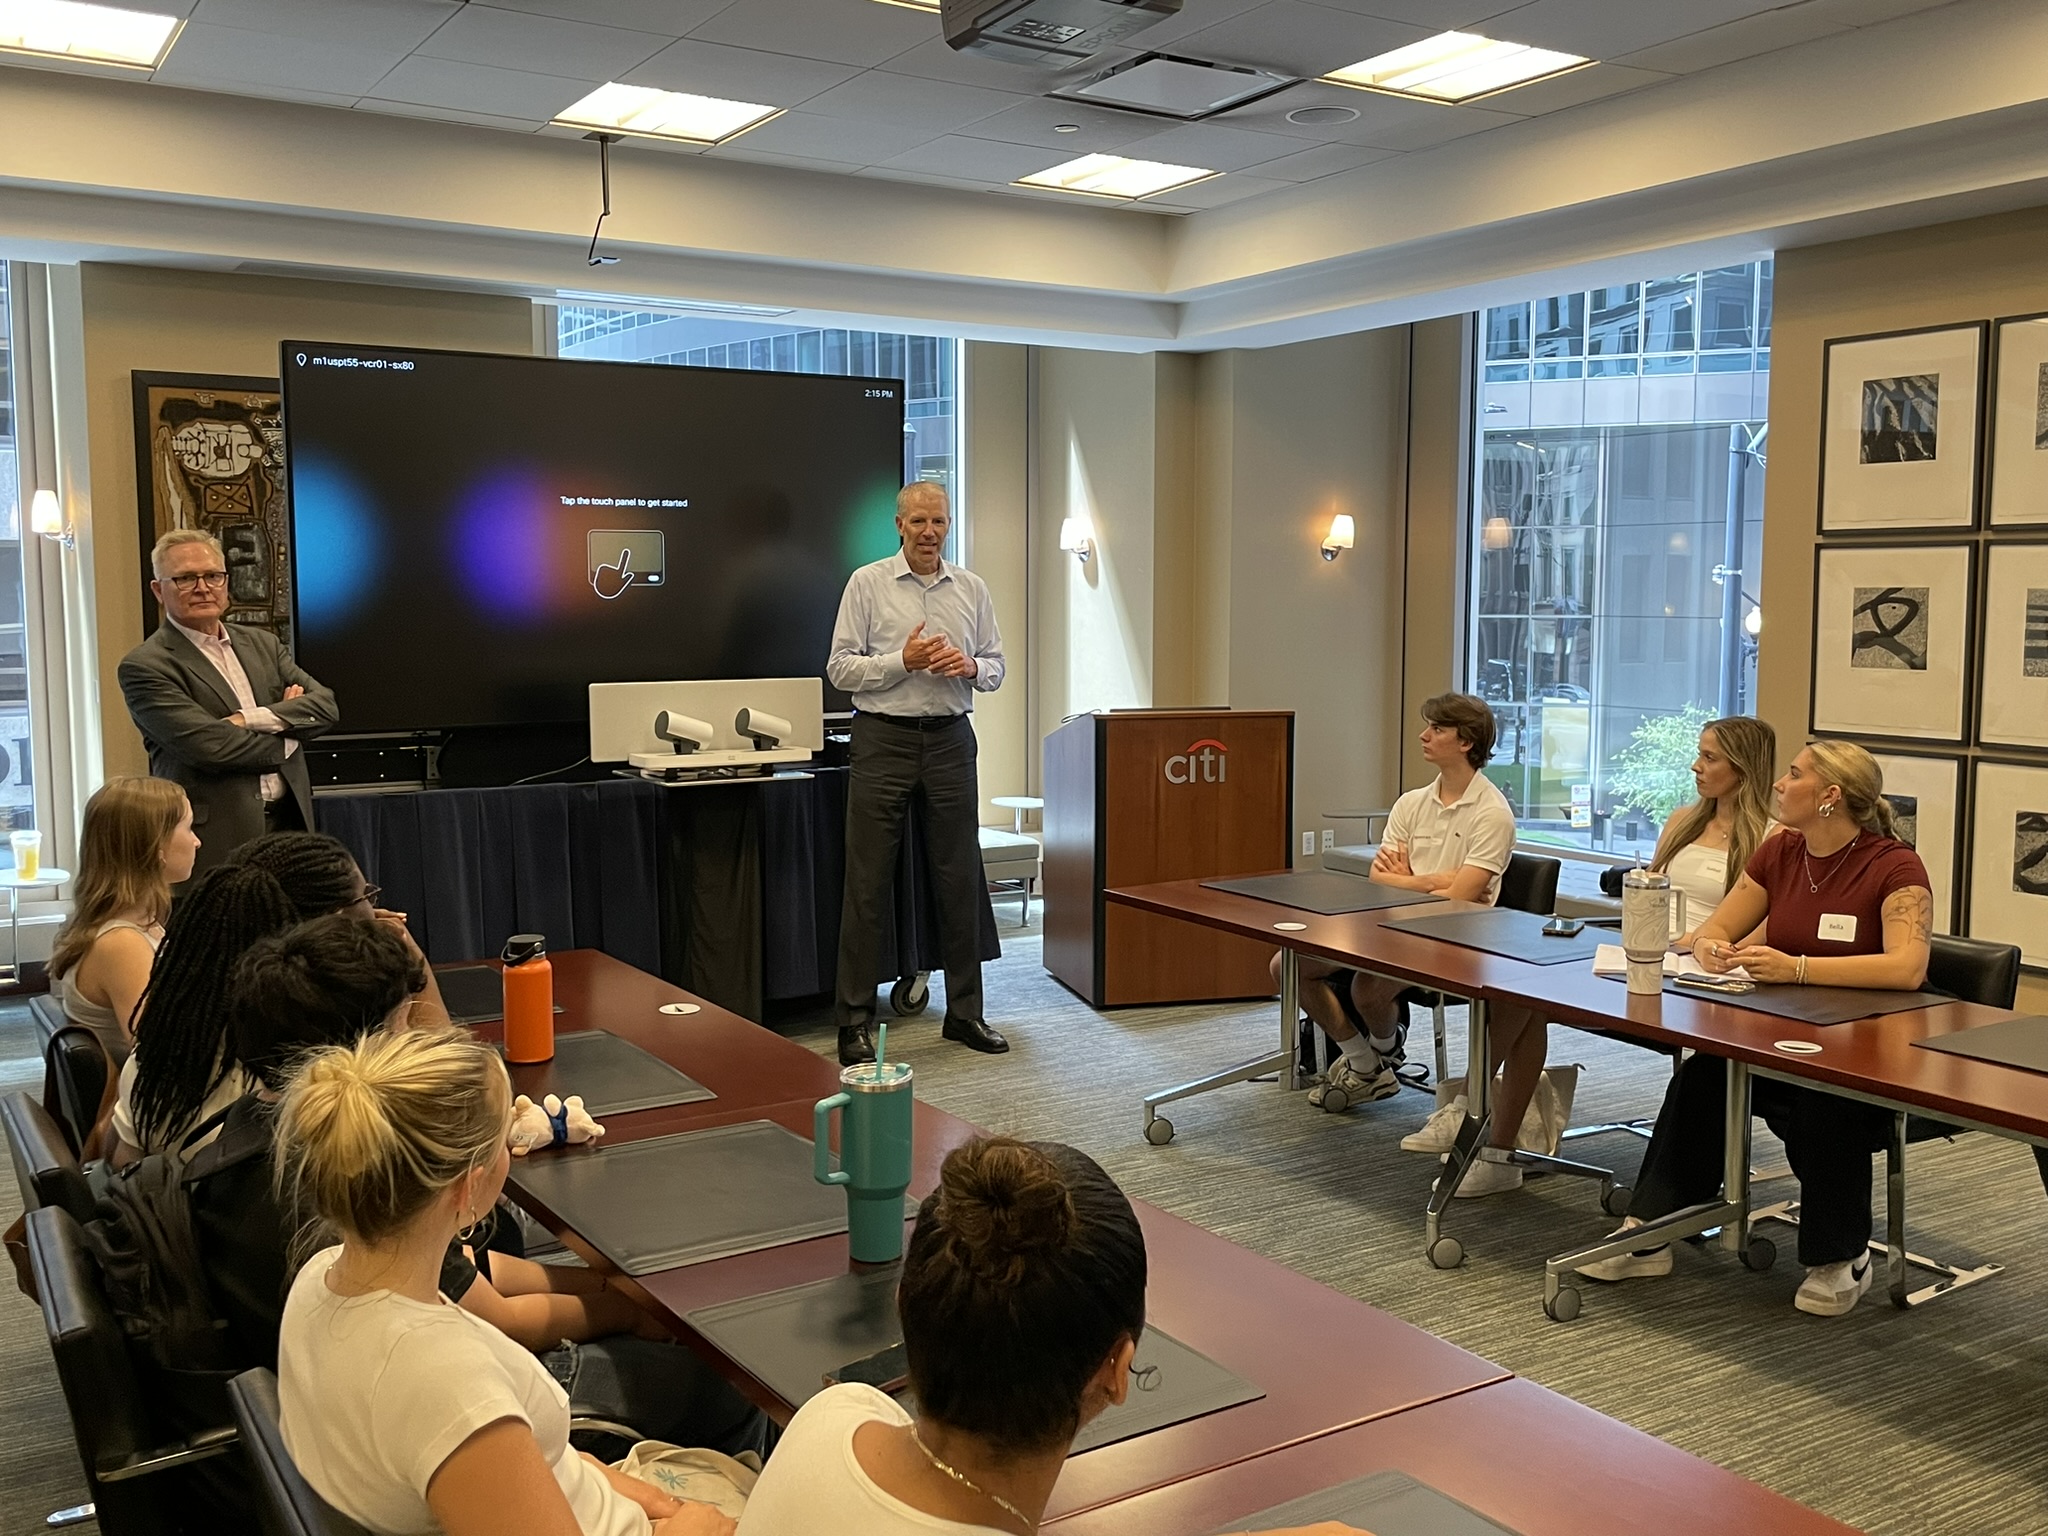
(1828, 1140)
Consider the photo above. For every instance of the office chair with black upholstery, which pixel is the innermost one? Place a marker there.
(44, 1167)
(131, 1467)
(1976, 971)
(1528, 884)
(78, 1079)
(289, 1506)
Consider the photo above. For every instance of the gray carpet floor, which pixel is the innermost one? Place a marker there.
(1927, 1422)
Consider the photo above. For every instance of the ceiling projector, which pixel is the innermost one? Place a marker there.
(1051, 34)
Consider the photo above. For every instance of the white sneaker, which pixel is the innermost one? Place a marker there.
(1830, 1290)
(1344, 1085)
(1439, 1132)
(1629, 1266)
(1492, 1174)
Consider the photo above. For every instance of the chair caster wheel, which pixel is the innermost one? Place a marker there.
(1446, 1253)
(1614, 1199)
(909, 996)
(1160, 1131)
(1562, 1307)
(1335, 1101)
(1760, 1255)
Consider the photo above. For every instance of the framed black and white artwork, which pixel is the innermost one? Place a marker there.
(2018, 493)
(1926, 797)
(2012, 701)
(2009, 857)
(1899, 431)
(1891, 640)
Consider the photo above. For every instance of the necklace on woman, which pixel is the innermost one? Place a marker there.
(1812, 885)
(973, 1487)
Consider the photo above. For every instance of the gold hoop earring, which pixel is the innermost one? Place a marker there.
(1827, 808)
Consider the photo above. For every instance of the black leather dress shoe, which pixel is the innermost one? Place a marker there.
(856, 1045)
(975, 1035)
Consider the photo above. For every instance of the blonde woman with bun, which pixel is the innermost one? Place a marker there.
(404, 1412)
(1022, 1300)
(134, 844)
(1840, 902)
(1706, 846)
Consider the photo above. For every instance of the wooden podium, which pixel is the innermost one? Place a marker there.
(1134, 796)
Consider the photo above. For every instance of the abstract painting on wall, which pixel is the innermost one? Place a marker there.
(2018, 493)
(1891, 640)
(1899, 431)
(2009, 857)
(2012, 700)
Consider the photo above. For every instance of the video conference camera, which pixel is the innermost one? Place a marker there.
(685, 732)
(765, 730)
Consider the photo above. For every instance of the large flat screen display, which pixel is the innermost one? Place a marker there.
(477, 538)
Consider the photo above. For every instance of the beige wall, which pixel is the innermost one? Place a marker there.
(197, 322)
(1977, 269)
(1439, 485)
(998, 549)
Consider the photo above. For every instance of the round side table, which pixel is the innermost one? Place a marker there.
(46, 878)
(1019, 804)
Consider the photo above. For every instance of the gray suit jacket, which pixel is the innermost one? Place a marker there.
(180, 703)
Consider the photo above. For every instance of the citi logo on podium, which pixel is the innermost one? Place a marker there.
(1204, 762)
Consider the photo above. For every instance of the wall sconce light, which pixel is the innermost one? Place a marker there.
(1076, 537)
(46, 516)
(1339, 536)
(1497, 534)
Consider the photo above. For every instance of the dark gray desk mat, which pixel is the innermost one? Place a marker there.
(676, 1200)
(475, 994)
(1386, 1503)
(1506, 932)
(790, 1340)
(614, 1076)
(2021, 1043)
(1811, 1005)
(1328, 892)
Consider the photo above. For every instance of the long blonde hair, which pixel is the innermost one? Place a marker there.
(120, 862)
(1855, 773)
(1751, 748)
(368, 1134)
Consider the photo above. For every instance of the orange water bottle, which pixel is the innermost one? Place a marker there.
(529, 999)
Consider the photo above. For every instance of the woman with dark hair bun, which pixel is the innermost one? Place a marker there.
(1022, 1300)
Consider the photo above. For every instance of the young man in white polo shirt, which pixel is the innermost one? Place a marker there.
(1451, 838)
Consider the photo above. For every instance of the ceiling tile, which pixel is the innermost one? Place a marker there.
(266, 92)
(738, 74)
(976, 159)
(734, 151)
(1299, 39)
(1217, 191)
(1436, 15)
(813, 136)
(886, 98)
(1384, 122)
(1215, 147)
(925, 179)
(843, 31)
(1195, 16)
(933, 60)
(1607, 29)
(397, 24)
(1323, 160)
(448, 115)
(483, 34)
(1595, 82)
(1765, 33)
(480, 88)
(1098, 130)
(227, 55)
(671, 17)
(1870, 13)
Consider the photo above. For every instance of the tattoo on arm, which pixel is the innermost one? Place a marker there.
(1911, 913)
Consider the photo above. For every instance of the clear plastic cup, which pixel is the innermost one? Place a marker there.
(28, 854)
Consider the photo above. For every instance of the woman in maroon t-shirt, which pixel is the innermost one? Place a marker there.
(1843, 904)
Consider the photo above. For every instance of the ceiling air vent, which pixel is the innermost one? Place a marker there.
(1052, 34)
(1165, 86)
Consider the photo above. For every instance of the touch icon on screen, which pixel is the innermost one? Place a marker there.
(619, 559)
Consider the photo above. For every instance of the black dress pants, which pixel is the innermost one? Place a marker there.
(895, 765)
(1828, 1140)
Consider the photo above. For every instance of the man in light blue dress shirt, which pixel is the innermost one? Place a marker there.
(915, 641)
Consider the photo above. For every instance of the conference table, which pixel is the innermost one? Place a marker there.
(1873, 1059)
(1323, 1411)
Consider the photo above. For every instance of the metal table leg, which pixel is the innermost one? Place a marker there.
(1159, 1129)
(12, 974)
(1447, 1252)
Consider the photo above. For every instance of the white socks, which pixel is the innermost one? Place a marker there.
(1359, 1052)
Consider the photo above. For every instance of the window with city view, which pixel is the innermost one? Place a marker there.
(17, 782)
(1617, 522)
(928, 365)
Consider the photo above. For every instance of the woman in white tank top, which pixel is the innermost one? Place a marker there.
(1706, 845)
(135, 843)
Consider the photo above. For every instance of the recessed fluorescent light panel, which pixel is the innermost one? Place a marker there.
(930, 7)
(652, 114)
(87, 34)
(1114, 176)
(1455, 66)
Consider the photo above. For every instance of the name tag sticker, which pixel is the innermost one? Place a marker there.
(1839, 926)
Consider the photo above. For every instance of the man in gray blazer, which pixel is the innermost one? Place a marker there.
(222, 707)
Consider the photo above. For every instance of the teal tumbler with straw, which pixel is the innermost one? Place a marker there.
(874, 1099)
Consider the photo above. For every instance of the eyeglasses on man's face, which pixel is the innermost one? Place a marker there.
(186, 581)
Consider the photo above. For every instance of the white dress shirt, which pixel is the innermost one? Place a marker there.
(219, 650)
(882, 604)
